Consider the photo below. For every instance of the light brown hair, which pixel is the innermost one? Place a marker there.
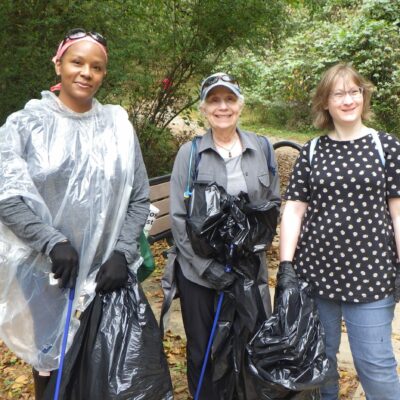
(321, 116)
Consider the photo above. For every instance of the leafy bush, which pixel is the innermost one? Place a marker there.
(364, 33)
(159, 51)
(158, 149)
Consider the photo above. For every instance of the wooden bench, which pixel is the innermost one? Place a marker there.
(159, 197)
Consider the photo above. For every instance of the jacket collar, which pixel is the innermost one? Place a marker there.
(207, 142)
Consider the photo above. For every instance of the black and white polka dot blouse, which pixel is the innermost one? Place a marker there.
(346, 246)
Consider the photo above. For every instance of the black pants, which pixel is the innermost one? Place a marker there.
(197, 304)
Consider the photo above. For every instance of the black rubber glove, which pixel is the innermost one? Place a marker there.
(65, 262)
(397, 284)
(286, 277)
(113, 274)
(216, 275)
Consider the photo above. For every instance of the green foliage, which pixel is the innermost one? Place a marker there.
(364, 33)
(159, 50)
(252, 121)
(387, 10)
(173, 44)
(158, 147)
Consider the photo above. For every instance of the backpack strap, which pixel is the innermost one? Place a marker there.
(193, 166)
(195, 159)
(375, 138)
(313, 145)
(266, 146)
(378, 144)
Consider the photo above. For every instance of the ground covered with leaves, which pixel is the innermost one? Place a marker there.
(15, 375)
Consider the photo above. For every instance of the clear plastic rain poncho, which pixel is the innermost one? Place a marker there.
(75, 171)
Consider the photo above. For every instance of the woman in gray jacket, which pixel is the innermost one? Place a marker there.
(235, 160)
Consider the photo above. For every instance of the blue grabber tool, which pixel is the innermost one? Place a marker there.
(64, 342)
(228, 268)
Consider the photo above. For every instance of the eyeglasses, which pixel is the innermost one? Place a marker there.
(214, 79)
(79, 33)
(339, 96)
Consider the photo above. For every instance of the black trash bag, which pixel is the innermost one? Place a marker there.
(287, 354)
(117, 352)
(232, 230)
(242, 313)
(217, 221)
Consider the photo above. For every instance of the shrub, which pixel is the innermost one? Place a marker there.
(364, 33)
(158, 148)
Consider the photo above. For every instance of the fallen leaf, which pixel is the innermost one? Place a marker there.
(22, 379)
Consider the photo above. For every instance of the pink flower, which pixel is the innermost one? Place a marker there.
(167, 84)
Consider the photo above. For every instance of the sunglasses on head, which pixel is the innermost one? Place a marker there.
(214, 79)
(79, 33)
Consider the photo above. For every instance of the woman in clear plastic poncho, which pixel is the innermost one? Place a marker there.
(74, 200)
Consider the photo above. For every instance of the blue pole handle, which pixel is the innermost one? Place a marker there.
(209, 344)
(64, 342)
(228, 268)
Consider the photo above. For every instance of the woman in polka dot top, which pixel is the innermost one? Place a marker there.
(341, 229)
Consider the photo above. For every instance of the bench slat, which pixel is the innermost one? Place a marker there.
(163, 206)
(159, 196)
(160, 225)
(159, 191)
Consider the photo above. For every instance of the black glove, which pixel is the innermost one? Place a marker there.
(397, 284)
(216, 275)
(113, 274)
(65, 262)
(286, 277)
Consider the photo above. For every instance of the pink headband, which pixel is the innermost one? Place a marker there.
(64, 45)
(62, 48)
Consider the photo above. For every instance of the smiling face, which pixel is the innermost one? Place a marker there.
(82, 69)
(222, 109)
(345, 102)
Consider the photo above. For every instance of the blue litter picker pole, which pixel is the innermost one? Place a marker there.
(228, 268)
(64, 342)
(209, 344)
